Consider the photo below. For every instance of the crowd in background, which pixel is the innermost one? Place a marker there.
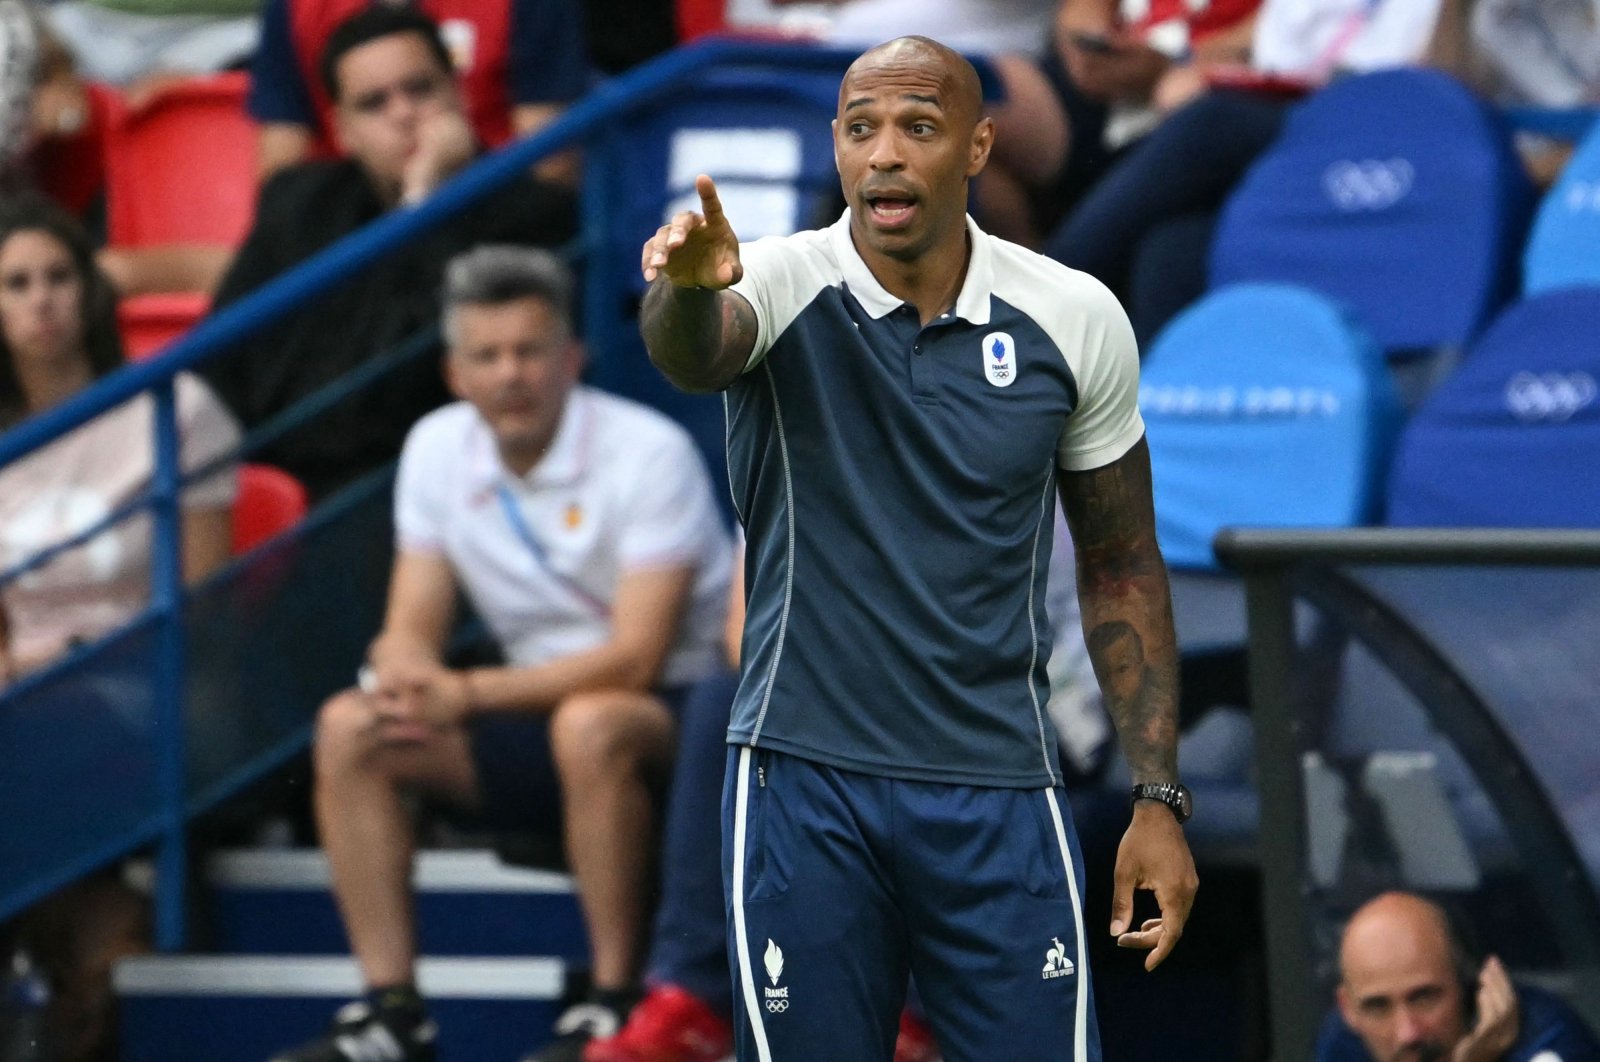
(1122, 129)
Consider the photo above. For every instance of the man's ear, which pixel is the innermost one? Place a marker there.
(982, 144)
(1342, 997)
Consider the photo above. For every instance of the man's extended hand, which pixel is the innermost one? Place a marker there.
(1498, 1021)
(695, 250)
(1153, 855)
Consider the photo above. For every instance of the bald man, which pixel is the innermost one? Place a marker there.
(905, 394)
(1410, 992)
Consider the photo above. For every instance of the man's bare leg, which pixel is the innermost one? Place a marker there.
(613, 752)
(366, 828)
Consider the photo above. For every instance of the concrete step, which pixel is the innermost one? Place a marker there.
(243, 1009)
(276, 902)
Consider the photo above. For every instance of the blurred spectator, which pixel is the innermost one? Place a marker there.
(54, 126)
(57, 336)
(19, 72)
(1145, 228)
(518, 63)
(1532, 51)
(400, 116)
(1545, 53)
(582, 529)
(129, 42)
(1411, 989)
(71, 118)
(52, 121)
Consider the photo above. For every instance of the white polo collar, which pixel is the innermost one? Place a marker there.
(564, 463)
(972, 304)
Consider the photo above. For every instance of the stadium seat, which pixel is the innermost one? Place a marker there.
(1564, 248)
(270, 501)
(1397, 193)
(1506, 441)
(1509, 439)
(183, 168)
(150, 322)
(1265, 406)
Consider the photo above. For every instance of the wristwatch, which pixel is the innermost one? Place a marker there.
(1174, 795)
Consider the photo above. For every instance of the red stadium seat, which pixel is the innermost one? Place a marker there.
(150, 322)
(183, 168)
(270, 500)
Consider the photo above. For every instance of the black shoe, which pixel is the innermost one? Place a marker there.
(600, 1015)
(360, 1035)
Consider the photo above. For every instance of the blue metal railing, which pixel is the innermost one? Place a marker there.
(272, 302)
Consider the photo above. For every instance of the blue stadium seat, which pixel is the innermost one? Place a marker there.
(1564, 248)
(1265, 406)
(1397, 193)
(1509, 439)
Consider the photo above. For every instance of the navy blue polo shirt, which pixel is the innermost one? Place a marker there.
(897, 488)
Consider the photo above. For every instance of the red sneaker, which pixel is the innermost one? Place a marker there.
(668, 1025)
(915, 1042)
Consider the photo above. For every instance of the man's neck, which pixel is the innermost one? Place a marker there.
(520, 460)
(932, 282)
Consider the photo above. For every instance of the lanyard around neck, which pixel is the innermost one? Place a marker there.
(541, 557)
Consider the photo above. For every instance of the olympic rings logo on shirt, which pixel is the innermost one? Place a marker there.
(777, 1006)
(1371, 184)
(1549, 396)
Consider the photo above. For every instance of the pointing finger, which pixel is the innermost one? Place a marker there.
(710, 205)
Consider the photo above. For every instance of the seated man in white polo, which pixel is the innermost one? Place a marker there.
(582, 529)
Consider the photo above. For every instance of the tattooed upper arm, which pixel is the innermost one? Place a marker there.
(1111, 514)
(700, 339)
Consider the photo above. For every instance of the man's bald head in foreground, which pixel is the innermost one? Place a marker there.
(1394, 922)
(1404, 980)
(958, 91)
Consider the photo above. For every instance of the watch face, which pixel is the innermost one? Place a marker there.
(1185, 803)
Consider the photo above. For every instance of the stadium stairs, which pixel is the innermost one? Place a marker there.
(496, 943)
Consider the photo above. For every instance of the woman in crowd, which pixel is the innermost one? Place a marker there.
(57, 336)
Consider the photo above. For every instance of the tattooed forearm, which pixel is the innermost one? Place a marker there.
(1127, 609)
(699, 339)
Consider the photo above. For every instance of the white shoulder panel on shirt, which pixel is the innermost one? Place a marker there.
(1075, 310)
(782, 274)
